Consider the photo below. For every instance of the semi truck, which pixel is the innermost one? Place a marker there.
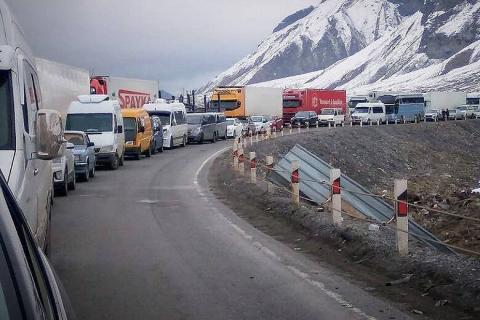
(130, 93)
(246, 101)
(295, 100)
(440, 100)
(61, 84)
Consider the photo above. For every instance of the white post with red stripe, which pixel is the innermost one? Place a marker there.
(401, 212)
(336, 195)
(269, 162)
(251, 140)
(295, 181)
(235, 153)
(244, 143)
(241, 161)
(253, 167)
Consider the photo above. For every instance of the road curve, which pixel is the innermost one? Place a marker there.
(149, 241)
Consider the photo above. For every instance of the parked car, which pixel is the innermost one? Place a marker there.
(249, 127)
(369, 112)
(100, 118)
(174, 121)
(476, 112)
(332, 116)
(454, 115)
(84, 154)
(260, 123)
(465, 111)
(234, 127)
(221, 125)
(138, 133)
(433, 115)
(63, 168)
(28, 284)
(201, 127)
(304, 119)
(276, 123)
(157, 134)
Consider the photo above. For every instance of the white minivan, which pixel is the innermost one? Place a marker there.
(29, 135)
(366, 113)
(100, 118)
(174, 121)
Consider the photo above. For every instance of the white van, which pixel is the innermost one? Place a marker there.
(332, 116)
(29, 135)
(369, 112)
(174, 121)
(100, 118)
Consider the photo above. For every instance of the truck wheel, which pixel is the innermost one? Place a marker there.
(72, 184)
(200, 141)
(138, 155)
(148, 152)
(62, 189)
(86, 174)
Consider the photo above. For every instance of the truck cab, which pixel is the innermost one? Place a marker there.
(230, 100)
(29, 136)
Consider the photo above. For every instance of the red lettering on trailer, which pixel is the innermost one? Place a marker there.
(132, 99)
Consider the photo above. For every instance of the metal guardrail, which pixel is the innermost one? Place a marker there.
(314, 170)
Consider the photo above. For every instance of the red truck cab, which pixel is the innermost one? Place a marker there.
(295, 100)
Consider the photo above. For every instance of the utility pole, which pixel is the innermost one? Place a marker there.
(193, 98)
(218, 96)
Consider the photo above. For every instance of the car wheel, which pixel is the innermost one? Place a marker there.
(86, 174)
(200, 141)
(121, 161)
(114, 163)
(225, 136)
(72, 184)
(171, 143)
(154, 148)
(184, 141)
(214, 139)
(148, 152)
(91, 173)
(61, 190)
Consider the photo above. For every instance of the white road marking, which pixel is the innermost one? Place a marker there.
(302, 275)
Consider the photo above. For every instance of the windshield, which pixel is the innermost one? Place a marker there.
(130, 124)
(194, 119)
(6, 112)
(434, 111)
(230, 122)
(90, 122)
(75, 138)
(462, 108)
(291, 103)
(163, 115)
(410, 100)
(361, 110)
(257, 119)
(328, 111)
(224, 104)
(302, 114)
(473, 101)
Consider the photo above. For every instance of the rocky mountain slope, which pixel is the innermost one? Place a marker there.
(363, 45)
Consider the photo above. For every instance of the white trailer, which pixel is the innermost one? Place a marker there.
(444, 100)
(131, 93)
(263, 101)
(61, 84)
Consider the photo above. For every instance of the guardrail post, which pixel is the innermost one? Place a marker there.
(253, 167)
(329, 125)
(269, 162)
(282, 132)
(299, 128)
(317, 125)
(235, 153)
(351, 123)
(295, 180)
(401, 212)
(335, 192)
(465, 116)
(241, 161)
(361, 122)
(251, 140)
(244, 143)
(386, 122)
(378, 122)
(395, 121)
(370, 120)
(274, 133)
(291, 129)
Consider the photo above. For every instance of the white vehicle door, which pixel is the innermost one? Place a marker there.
(38, 173)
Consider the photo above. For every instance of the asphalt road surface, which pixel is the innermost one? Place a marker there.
(149, 241)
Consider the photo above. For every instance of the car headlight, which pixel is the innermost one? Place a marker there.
(197, 130)
(129, 143)
(108, 148)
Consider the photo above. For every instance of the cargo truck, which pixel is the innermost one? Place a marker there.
(130, 93)
(61, 84)
(444, 100)
(295, 100)
(243, 102)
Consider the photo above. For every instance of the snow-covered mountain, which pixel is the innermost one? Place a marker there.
(364, 45)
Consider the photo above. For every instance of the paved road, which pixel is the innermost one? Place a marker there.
(149, 241)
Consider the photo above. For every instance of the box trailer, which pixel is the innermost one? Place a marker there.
(444, 100)
(131, 93)
(61, 84)
(242, 102)
(295, 100)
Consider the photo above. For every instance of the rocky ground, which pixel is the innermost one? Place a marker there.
(440, 162)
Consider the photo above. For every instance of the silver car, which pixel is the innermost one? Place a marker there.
(63, 168)
(84, 154)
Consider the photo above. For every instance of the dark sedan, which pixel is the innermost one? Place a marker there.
(304, 119)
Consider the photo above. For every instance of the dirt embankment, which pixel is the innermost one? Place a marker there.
(440, 160)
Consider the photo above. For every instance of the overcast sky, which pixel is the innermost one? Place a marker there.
(181, 43)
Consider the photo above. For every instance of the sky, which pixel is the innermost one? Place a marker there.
(180, 43)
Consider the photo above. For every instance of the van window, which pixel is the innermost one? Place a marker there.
(7, 128)
(377, 110)
(90, 122)
(179, 117)
(221, 118)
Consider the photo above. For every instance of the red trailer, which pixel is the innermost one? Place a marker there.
(295, 100)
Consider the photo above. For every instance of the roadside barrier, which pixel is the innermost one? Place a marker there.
(241, 160)
(401, 212)
(253, 167)
(336, 197)
(269, 165)
(235, 153)
(295, 181)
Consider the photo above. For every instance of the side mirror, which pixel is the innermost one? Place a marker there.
(90, 144)
(120, 129)
(49, 134)
(141, 129)
(70, 146)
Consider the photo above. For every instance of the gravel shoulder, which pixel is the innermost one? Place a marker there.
(441, 163)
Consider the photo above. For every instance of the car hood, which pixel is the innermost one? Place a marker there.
(360, 115)
(325, 116)
(103, 139)
(194, 126)
(299, 118)
(79, 150)
(6, 160)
